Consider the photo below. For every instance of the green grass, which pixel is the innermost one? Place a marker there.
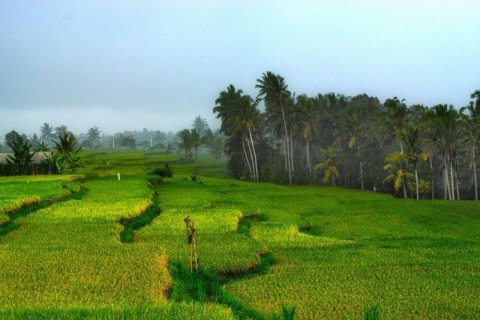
(193, 311)
(330, 251)
(336, 250)
(22, 191)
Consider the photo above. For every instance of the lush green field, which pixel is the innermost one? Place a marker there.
(17, 192)
(335, 250)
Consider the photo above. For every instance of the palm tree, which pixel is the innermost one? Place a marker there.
(94, 136)
(355, 131)
(445, 123)
(471, 123)
(240, 118)
(398, 173)
(424, 188)
(22, 155)
(304, 119)
(396, 116)
(328, 166)
(273, 91)
(186, 143)
(196, 141)
(413, 151)
(46, 133)
(67, 152)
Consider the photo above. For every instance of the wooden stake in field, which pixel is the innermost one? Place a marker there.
(192, 245)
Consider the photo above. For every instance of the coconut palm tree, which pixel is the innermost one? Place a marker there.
(22, 156)
(396, 117)
(471, 123)
(274, 91)
(67, 153)
(354, 132)
(398, 172)
(445, 124)
(328, 166)
(240, 118)
(60, 131)
(186, 143)
(94, 136)
(424, 188)
(413, 151)
(304, 119)
(46, 133)
(196, 140)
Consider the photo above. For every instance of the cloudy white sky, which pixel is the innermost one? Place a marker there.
(158, 64)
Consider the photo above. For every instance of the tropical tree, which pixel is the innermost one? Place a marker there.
(472, 134)
(445, 123)
(201, 125)
(398, 172)
(305, 121)
(274, 91)
(186, 142)
(413, 151)
(240, 118)
(60, 131)
(66, 153)
(196, 140)
(425, 188)
(355, 131)
(22, 156)
(46, 133)
(328, 166)
(396, 117)
(94, 136)
(12, 136)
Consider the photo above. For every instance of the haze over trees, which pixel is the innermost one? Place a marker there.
(356, 142)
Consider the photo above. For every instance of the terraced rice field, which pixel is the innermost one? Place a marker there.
(334, 250)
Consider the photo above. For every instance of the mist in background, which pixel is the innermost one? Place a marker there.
(125, 65)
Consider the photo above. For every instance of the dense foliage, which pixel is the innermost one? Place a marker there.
(352, 140)
(64, 157)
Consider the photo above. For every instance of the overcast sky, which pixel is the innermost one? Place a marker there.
(158, 64)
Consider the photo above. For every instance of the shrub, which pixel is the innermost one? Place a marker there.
(165, 172)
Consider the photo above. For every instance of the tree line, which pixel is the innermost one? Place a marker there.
(62, 158)
(357, 142)
(55, 149)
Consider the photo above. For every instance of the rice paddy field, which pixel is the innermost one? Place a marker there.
(327, 252)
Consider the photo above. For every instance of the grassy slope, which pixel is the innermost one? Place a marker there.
(17, 192)
(66, 261)
(415, 259)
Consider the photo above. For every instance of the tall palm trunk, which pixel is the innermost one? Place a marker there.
(252, 160)
(416, 182)
(475, 173)
(361, 166)
(452, 181)
(446, 184)
(246, 160)
(289, 168)
(404, 188)
(457, 183)
(291, 150)
(433, 177)
(309, 164)
(254, 154)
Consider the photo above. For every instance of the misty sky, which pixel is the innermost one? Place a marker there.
(158, 64)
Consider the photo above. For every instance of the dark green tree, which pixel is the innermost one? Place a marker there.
(67, 153)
